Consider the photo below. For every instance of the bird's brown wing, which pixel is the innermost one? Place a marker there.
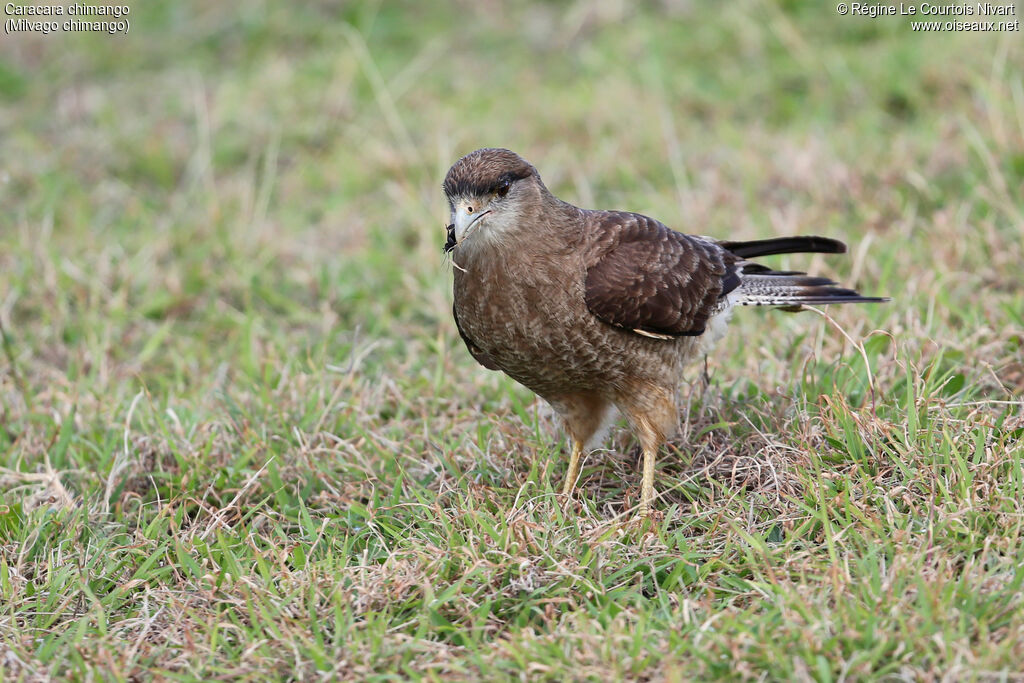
(653, 280)
(479, 354)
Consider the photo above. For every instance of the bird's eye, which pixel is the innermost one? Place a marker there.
(503, 188)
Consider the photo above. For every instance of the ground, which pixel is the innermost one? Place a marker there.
(241, 437)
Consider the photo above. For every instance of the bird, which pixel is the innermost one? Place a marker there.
(599, 312)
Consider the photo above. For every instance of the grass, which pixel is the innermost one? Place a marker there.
(241, 438)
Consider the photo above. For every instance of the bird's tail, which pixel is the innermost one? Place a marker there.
(762, 286)
(785, 245)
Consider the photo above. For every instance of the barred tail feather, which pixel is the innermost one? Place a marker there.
(792, 290)
(751, 284)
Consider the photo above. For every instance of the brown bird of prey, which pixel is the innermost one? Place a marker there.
(600, 310)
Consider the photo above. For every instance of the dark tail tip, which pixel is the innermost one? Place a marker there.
(821, 296)
(785, 245)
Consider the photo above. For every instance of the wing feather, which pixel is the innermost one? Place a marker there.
(653, 280)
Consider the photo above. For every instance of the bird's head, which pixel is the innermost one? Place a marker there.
(488, 193)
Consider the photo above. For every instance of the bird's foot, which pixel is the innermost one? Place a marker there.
(644, 522)
(648, 512)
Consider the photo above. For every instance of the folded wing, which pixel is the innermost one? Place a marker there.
(652, 280)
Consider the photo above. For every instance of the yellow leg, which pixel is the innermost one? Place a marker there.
(651, 421)
(647, 489)
(574, 468)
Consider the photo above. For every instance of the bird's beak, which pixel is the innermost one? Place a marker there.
(466, 216)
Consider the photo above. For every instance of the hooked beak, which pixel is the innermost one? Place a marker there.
(465, 219)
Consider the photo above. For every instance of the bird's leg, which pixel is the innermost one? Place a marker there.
(705, 381)
(651, 436)
(574, 467)
(647, 488)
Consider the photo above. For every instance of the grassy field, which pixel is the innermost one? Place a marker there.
(240, 437)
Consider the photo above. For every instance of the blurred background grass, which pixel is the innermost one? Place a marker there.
(235, 209)
(286, 160)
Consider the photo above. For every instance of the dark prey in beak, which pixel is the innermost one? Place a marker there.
(449, 243)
